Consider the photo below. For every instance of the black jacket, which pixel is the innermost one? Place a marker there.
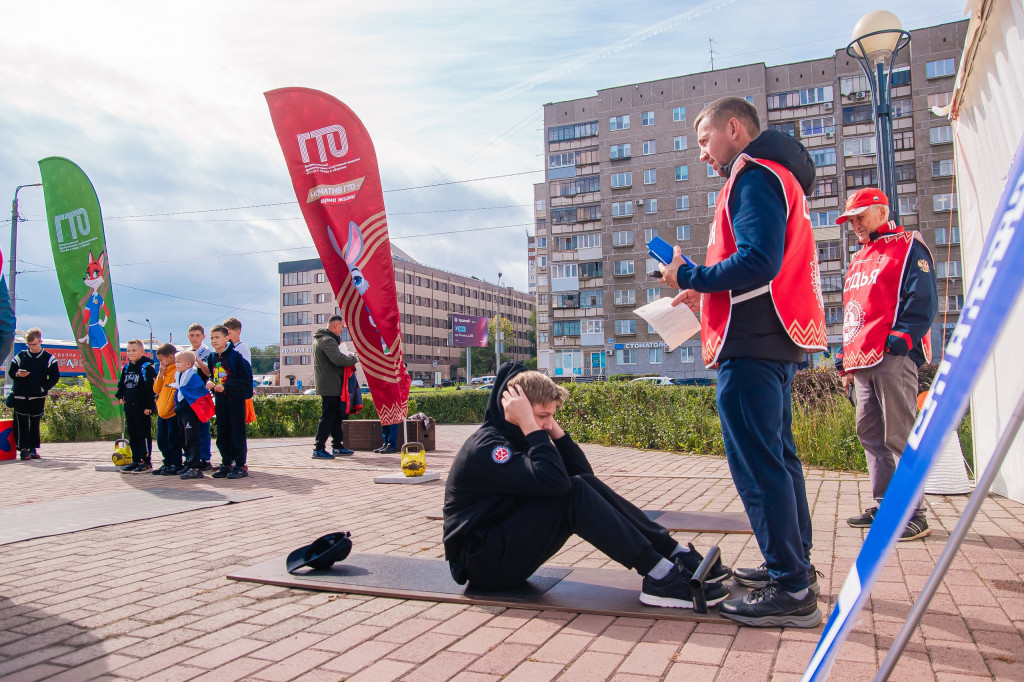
(43, 374)
(135, 387)
(496, 469)
(231, 369)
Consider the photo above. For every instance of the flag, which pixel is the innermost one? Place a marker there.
(333, 168)
(75, 224)
(196, 394)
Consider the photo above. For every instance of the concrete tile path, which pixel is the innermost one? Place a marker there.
(149, 600)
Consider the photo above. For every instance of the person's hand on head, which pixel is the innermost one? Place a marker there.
(555, 431)
(519, 410)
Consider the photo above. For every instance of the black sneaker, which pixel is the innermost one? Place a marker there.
(26, 455)
(142, 468)
(222, 471)
(320, 453)
(759, 578)
(342, 452)
(33, 454)
(160, 471)
(172, 470)
(771, 606)
(190, 474)
(128, 469)
(238, 472)
(917, 528)
(388, 450)
(691, 561)
(204, 466)
(863, 520)
(674, 590)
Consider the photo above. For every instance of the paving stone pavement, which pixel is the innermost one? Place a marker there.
(149, 599)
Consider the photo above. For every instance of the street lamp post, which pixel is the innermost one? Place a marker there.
(497, 325)
(146, 324)
(13, 255)
(878, 37)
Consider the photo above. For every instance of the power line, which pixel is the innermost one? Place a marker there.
(251, 220)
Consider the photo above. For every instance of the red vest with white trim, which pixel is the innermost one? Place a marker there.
(871, 299)
(795, 291)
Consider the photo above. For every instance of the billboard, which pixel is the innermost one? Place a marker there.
(468, 330)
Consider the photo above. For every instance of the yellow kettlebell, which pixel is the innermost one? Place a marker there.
(414, 459)
(122, 453)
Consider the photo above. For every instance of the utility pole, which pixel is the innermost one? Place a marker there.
(711, 51)
(13, 255)
(497, 326)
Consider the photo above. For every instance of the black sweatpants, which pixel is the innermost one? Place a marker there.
(510, 551)
(331, 416)
(28, 412)
(140, 434)
(231, 432)
(188, 435)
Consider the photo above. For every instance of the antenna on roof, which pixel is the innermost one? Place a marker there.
(711, 51)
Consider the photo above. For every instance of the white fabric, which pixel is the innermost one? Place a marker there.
(949, 473)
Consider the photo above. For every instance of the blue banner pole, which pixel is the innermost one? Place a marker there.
(994, 290)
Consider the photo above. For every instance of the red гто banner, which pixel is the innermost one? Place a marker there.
(334, 172)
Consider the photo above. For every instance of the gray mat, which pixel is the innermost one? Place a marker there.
(613, 592)
(422, 575)
(43, 519)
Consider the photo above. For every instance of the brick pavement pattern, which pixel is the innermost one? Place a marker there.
(149, 600)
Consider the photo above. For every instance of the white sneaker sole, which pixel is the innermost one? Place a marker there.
(809, 621)
(669, 602)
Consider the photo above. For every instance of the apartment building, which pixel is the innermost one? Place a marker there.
(623, 166)
(426, 298)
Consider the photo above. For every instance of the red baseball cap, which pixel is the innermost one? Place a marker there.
(861, 200)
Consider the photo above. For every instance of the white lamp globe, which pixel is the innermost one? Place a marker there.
(880, 46)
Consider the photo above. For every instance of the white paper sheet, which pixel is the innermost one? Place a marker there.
(674, 325)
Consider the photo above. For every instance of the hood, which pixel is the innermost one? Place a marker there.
(495, 415)
(142, 361)
(785, 150)
(324, 332)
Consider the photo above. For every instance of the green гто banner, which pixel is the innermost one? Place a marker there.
(75, 225)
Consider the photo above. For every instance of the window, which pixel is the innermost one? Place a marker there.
(593, 327)
(686, 354)
(682, 173)
(625, 297)
(954, 302)
(945, 235)
(565, 328)
(647, 118)
(833, 314)
(862, 177)
(908, 205)
(651, 206)
(297, 338)
(655, 355)
(565, 301)
(860, 113)
(940, 135)
(940, 100)
(787, 127)
(682, 233)
(683, 203)
(296, 278)
(297, 298)
(591, 298)
(678, 114)
(858, 146)
(905, 172)
(901, 108)
(619, 151)
(570, 188)
(320, 277)
(563, 270)
(542, 280)
(902, 140)
(823, 156)
(652, 265)
(293, 319)
(940, 68)
(625, 326)
(620, 180)
(591, 270)
(829, 251)
(572, 131)
(542, 261)
(944, 269)
(622, 238)
(542, 337)
(679, 143)
(623, 267)
(826, 187)
(900, 76)
(320, 318)
(944, 202)
(542, 318)
(848, 85)
(563, 216)
(650, 176)
(831, 283)
(816, 95)
(649, 234)
(622, 209)
(712, 199)
(321, 298)
(824, 218)
(626, 356)
(817, 126)
(618, 123)
(653, 295)
(797, 98)
(648, 147)
(296, 360)
(942, 169)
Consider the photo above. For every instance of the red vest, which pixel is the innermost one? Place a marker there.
(795, 291)
(871, 299)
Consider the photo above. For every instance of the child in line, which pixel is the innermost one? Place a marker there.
(194, 407)
(135, 392)
(33, 373)
(234, 327)
(231, 385)
(196, 336)
(166, 418)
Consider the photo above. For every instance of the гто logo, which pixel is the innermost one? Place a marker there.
(330, 139)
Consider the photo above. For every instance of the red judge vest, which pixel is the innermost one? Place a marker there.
(795, 291)
(871, 298)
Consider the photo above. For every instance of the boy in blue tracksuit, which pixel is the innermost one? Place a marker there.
(231, 385)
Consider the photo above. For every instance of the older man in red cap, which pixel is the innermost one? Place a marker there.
(889, 302)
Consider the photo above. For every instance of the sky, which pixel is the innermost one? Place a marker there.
(162, 105)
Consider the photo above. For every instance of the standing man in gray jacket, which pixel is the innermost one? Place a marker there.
(331, 368)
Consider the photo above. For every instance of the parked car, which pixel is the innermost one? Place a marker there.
(445, 383)
(417, 383)
(484, 379)
(696, 381)
(658, 381)
(309, 391)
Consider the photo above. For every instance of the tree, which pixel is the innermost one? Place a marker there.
(483, 357)
(263, 358)
(509, 335)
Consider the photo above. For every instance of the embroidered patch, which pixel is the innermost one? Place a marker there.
(923, 266)
(501, 454)
(853, 321)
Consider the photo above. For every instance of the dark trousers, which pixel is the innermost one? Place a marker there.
(510, 551)
(28, 412)
(204, 441)
(140, 434)
(231, 432)
(331, 416)
(167, 440)
(189, 434)
(389, 433)
(755, 407)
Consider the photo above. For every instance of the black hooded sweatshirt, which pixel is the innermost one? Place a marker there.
(497, 469)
